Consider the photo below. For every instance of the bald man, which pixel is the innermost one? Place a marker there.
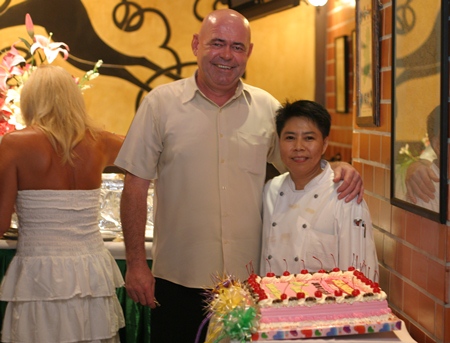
(205, 141)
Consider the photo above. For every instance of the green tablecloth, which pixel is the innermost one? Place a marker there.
(137, 317)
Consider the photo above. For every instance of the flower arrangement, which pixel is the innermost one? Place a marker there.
(408, 154)
(15, 70)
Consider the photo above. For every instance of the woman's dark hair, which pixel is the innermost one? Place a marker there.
(306, 109)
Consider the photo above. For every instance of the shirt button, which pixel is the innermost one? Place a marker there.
(274, 224)
(304, 226)
(296, 259)
(281, 193)
(316, 196)
(269, 257)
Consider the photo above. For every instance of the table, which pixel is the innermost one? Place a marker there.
(137, 317)
(117, 249)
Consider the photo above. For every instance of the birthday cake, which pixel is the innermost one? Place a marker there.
(319, 304)
(296, 306)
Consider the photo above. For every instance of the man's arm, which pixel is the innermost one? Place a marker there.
(139, 280)
(419, 181)
(352, 185)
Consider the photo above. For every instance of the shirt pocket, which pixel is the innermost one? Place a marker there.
(252, 152)
(322, 246)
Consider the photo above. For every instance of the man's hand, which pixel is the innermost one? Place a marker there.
(352, 185)
(140, 284)
(419, 181)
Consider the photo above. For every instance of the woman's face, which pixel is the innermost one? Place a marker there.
(302, 146)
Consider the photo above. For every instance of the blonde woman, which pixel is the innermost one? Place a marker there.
(61, 283)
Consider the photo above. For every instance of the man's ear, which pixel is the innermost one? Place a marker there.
(195, 43)
(325, 145)
(250, 49)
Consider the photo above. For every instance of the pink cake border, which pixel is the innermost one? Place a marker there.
(393, 323)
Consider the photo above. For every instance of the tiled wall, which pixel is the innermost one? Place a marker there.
(340, 22)
(413, 252)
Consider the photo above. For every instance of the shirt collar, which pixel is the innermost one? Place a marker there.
(326, 170)
(191, 89)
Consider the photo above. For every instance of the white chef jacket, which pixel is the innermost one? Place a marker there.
(300, 224)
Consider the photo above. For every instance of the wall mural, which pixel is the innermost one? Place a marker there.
(71, 23)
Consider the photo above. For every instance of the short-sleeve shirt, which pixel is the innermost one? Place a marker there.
(209, 166)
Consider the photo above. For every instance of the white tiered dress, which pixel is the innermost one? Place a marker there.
(61, 284)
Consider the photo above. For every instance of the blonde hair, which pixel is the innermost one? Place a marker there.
(52, 101)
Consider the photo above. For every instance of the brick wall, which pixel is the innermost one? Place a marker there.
(413, 252)
(340, 21)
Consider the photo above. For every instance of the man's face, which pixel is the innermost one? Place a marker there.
(222, 49)
(302, 146)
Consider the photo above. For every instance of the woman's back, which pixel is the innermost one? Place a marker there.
(29, 162)
(40, 167)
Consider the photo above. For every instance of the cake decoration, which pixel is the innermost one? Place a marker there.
(232, 311)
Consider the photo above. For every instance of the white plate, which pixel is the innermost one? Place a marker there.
(11, 235)
(108, 236)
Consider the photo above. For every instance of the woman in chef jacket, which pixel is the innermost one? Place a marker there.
(305, 225)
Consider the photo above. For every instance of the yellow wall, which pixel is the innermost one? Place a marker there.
(282, 60)
(283, 55)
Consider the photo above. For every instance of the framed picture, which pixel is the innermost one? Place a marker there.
(420, 88)
(367, 63)
(353, 66)
(341, 72)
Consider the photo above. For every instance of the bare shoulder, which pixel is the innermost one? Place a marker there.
(110, 140)
(111, 137)
(14, 147)
(111, 144)
(21, 140)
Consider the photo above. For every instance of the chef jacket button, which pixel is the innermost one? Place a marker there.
(274, 224)
(296, 259)
(281, 193)
(316, 195)
(304, 226)
(269, 257)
